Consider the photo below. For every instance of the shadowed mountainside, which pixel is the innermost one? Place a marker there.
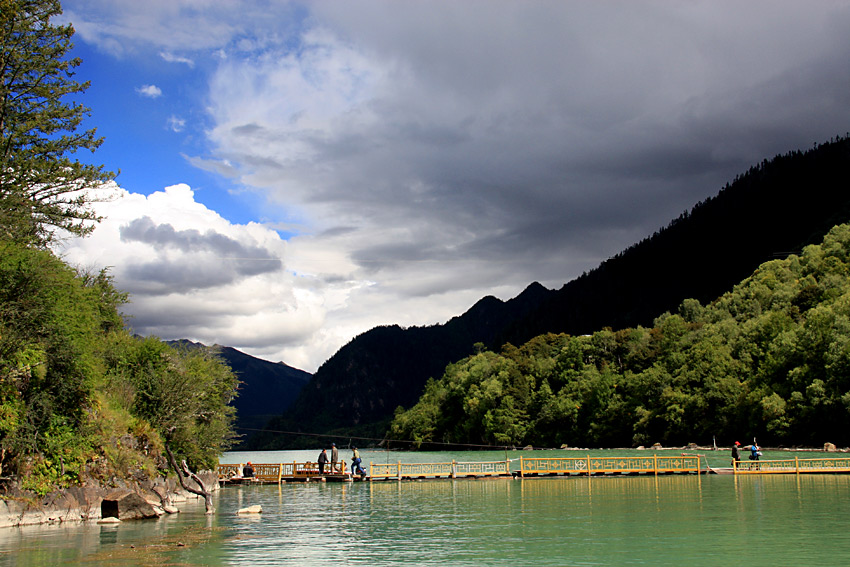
(266, 389)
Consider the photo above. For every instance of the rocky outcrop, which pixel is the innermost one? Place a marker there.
(124, 500)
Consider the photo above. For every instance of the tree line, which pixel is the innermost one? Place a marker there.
(769, 359)
(80, 396)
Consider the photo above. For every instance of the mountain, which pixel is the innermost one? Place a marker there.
(775, 208)
(266, 389)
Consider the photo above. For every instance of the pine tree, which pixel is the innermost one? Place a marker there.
(42, 187)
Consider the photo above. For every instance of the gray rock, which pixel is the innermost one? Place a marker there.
(127, 506)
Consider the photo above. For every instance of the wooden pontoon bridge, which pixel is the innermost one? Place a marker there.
(526, 467)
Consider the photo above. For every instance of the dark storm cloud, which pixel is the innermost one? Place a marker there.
(190, 259)
(528, 141)
(240, 260)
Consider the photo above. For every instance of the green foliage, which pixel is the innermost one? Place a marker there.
(41, 186)
(80, 396)
(769, 359)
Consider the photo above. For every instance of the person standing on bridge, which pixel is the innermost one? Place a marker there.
(334, 458)
(355, 463)
(322, 461)
(736, 456)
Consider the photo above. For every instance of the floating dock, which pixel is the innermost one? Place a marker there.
(525, 467)
(838, 465)
(279, 473)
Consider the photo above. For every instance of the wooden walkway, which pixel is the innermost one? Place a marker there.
(278, 473)
(454, 469)
(526, 467)
(611, 466)
(838, 465)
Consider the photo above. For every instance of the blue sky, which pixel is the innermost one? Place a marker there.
(293, 174)
(150, 113)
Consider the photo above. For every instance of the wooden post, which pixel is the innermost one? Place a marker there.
(521, 468)
(655, 463)
(796, 464)
(398, 470)
(279, 472)
(454, 469)
(588, 466)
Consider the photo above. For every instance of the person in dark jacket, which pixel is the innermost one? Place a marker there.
(334, 459)
(323, 460)
(248, 471)
(736, 456)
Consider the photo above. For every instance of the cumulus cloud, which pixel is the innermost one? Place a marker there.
(150, 91)
(193, 274)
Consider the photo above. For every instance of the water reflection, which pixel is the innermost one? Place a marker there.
(663, 520)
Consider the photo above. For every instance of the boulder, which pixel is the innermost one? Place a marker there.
(257, 509)
(829, 447)
(127, 506)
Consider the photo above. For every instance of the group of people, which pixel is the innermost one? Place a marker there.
(322, 461)
(755, 452)
(356, 463)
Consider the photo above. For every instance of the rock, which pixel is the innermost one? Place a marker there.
(641, 448)
(84, 502)
(170, 509)
(109, 520)
(657, 446)
(564, 446)
(829, 447)
(257, 509)
(127, 506)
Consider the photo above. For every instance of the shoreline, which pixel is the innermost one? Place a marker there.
(79, 504)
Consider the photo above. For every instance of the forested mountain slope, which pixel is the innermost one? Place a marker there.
(769, 359)
(266, 389)
(776, 207)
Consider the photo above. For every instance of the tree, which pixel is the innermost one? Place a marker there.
(42, 187)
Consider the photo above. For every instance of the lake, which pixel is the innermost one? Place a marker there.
(646, 520)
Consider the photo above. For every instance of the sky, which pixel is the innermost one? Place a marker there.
(293, 174)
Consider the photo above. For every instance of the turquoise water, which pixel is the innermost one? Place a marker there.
(647, 520)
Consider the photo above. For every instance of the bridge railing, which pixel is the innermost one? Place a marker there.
(451, 469)
(795, 465)
(588, 465)
(275, 472)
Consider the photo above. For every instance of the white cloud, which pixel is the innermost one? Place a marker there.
(171, 58)
(193, 274)
(150, 91)
(175, 123)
